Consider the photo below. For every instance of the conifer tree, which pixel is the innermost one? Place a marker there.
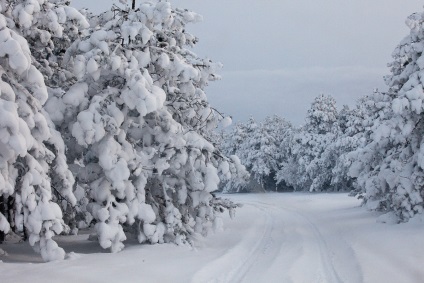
(388, 164)
(32, 156)
(139, 127)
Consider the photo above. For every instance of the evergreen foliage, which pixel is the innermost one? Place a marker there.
(106, 123)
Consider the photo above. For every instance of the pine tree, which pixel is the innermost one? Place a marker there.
(259, 147)
(31, 152)
(347, 140)
(139, 127)
(322, 116)
(388, 163)
(232, 141)
(310, 162)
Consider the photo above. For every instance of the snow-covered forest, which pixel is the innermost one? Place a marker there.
(107, 137)
(373, 150)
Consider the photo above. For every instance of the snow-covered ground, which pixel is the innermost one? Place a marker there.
(293, 237)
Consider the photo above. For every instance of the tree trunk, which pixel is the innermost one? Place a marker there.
(11, 212)
(2, 211)
(133, 4)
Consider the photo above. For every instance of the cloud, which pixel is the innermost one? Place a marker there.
(290, 92)
(315, 73)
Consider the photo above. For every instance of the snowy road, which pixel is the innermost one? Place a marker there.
(282, 244)
(274, 238)
(316, 238)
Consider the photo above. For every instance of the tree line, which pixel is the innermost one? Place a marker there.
(375, 149)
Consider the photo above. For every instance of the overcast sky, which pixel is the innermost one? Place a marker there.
(280, 54)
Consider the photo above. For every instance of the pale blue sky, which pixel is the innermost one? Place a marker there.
(279, 54)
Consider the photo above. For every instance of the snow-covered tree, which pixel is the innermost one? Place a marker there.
(336, 153)
(388, 166)
(31, 151)
(322, 116)
(136, 122)
(279, 130)
(310, 163)
(231, 141)
(49, 26)
(259, 148)
(254, 152)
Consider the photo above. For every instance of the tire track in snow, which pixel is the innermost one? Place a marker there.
(305, 257)
(261, 249)
(329, 270)
(327, 255)
(233, 266)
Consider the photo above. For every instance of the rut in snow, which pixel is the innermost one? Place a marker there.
(280, 243)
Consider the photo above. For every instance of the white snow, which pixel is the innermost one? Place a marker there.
(226, 122)
(291, 237)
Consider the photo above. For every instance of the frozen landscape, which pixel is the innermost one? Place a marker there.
(287, 237)
(116, 167)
